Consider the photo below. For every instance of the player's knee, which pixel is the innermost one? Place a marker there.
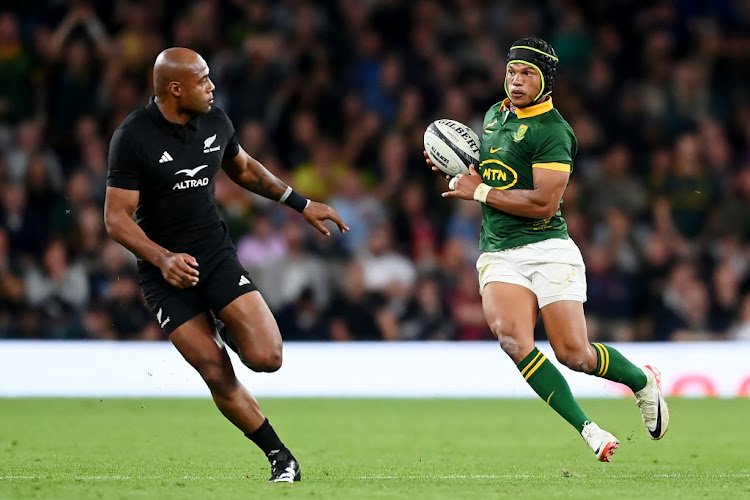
(505, 332)
(575, 359)
(268, 360)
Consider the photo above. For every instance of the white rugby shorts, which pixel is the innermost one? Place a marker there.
(553, 269)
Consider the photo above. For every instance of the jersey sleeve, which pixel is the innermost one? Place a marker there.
(123, 163)
(233, 147)
(556, 150)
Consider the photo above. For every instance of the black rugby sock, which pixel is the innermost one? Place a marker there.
(267, 440)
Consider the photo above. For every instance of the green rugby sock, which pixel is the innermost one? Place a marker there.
(550, 385)
(612, 365)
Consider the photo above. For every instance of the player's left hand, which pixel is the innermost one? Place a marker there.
(463, 185)
(316, 213)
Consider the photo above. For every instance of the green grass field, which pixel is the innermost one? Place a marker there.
(351, 449)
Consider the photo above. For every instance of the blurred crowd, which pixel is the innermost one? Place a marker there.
(333, 97)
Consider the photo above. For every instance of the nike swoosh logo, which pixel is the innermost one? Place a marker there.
(191, 172)
(494, 150)
(657, 430)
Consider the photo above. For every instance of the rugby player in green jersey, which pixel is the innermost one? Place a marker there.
(529, 263)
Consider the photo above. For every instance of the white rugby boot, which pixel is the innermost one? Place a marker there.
(602, 442)
(653, 406)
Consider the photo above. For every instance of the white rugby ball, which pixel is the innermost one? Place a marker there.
(452, 146)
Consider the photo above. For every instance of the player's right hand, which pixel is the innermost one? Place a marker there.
(433, 167)
(179, 269)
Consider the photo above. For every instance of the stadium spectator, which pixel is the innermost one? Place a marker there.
(356, 314)
(427, 317)
(12, 292)
(28, 143)
(58, 291)
(303, 318)
(386, 271)
(16, 94)
(362, 210)
(263, 246)
(465, 305)
(301, 276)
(26, 231)
(741, 329)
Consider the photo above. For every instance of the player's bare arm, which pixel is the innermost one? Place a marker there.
(249, 173)
(542, 202)
(178, 269)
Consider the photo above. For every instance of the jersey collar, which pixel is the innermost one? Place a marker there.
(176, 129)
(529, 111)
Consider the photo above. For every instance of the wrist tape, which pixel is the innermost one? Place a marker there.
(293, 199)
(481, 192)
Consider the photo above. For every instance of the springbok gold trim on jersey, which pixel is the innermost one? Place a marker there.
(558, 167)
(535, 110)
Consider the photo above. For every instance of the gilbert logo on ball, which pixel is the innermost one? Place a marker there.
(452, 146)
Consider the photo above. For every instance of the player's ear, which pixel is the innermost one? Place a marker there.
(175, 89)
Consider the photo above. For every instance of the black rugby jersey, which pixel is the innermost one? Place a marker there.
(173, 166)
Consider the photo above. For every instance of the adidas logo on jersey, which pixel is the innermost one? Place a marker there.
(243, 281)
(165, 157)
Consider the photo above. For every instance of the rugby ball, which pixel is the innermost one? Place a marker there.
(452, 146)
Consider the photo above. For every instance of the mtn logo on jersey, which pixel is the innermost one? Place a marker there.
(190, 183)
(243, 280)
(207, 145)
(165, 157)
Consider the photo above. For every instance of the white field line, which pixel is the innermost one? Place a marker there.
(382, 477)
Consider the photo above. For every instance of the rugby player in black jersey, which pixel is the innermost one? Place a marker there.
(163, 160)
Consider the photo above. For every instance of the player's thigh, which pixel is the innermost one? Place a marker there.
(197, 341)
(557, 272)
(232, 295)
(511, 312)
(253, 326)
(172, 306)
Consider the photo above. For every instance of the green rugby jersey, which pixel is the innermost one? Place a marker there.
(512, 146)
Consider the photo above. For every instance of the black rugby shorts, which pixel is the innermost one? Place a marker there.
(174, 306)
